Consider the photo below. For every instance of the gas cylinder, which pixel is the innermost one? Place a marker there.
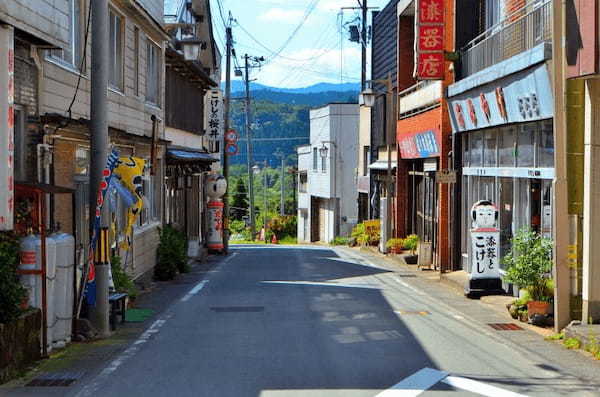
(63, 289)
(29, 261)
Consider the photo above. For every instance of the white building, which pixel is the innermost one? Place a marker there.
(327, 190)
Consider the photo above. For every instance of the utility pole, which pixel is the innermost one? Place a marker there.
(249, 149)
(280, 154)
(226, 102)
(363, 46)
(99, 147)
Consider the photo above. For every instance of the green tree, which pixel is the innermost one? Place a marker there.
(239, 203)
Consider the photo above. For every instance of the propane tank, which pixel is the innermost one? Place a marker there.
(29, 261)
(50, 288)
(63, 289)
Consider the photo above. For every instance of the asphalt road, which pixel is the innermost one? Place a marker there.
(287, 322)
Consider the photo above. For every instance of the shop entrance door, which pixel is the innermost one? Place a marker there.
(426, 216)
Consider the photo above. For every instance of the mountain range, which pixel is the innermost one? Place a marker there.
(238, 86)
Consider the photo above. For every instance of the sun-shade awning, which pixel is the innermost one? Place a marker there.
(190, 156)
(381, 165)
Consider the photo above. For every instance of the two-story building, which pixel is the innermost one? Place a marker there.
(423, 138)
(135, 118)
(192, 95)
(501, 110)
(327, 181)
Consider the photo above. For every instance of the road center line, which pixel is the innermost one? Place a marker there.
(194, 290)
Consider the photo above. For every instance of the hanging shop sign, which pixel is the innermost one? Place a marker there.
(419, 144)
(485, 239)
(7, 122)
(429, 43)
(521, 97)
(130, 173)
(213, 117)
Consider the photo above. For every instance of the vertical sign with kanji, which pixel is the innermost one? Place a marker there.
(429, 42)
(485, 239)
(7, 122)
(213, 118)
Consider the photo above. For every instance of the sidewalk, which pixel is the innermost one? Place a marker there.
(78, 362)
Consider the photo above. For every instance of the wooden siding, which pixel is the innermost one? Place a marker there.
(127, 112)
(44, 19)
(184, 104)
(384, 46)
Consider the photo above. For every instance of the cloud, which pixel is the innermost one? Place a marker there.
(335, 5)
(281, 15)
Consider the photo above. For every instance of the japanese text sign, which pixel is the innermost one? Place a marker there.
(485, 239)
(213, 116)
(7, 123)
(429, 43)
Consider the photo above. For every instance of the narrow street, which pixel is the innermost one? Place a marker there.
(311, 321)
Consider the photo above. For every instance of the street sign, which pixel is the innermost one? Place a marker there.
(231, 136)
(445, 176)
(231, 149)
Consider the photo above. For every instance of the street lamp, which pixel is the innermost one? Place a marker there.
(367, 97)
(323, 151)
(191, 48)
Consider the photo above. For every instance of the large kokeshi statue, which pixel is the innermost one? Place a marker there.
(216, 186)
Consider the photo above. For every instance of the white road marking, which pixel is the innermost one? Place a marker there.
(479, 387)
(321, 284)
(424, 379)
(415, 384)
(410, 287)
(92, 388)
(194, 290)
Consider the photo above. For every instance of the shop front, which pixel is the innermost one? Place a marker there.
(503, 134)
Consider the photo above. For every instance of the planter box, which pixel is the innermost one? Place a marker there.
(537, 307)
(20, 344)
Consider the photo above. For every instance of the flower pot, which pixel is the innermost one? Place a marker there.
(411, 259)
(538, 307)
(395, 250)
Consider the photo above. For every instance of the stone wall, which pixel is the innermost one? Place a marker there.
(19, 344)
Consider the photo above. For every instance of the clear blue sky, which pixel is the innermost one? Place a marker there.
(313, 54)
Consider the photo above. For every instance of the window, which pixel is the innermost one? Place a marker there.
(152, 72)
(506, 147)
(465, 144)
(82, 161)
(152, 196)
(323, 164)
(525, 148)
(303, 182)
(366, 160)
(545, 144)
(315, 159)
(21, 144)
(476, 149)
(72, 54)
(115, 51)
(489, 149)
(136, 57)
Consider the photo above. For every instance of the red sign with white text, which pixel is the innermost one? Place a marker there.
(429, 31)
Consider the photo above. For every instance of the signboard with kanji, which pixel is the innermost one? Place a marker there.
(485, 239)
(7, 122)
(213, 117)
(429, 43)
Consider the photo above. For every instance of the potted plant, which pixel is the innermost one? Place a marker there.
(528, 264)
(394, 245)
(410, 243)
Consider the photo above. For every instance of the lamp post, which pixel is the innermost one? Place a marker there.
(192, 48)
(367, 97)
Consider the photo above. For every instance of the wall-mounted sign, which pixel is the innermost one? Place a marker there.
(445, 176)
(419, 144)
(524, 96)
(7, 121)
(213, 117)
(429, 43)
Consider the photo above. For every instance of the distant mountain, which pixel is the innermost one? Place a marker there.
(238, 86)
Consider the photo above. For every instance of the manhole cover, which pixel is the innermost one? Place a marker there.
(238, 309)
(505, 326)
(62, 379)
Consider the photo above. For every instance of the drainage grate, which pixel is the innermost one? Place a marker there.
(417, 312)
(61, 379)
(407, 275)
(505, 327)
(238, 309)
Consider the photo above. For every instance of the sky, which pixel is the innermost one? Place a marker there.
(300, 39)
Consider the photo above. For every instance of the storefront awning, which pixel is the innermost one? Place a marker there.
(190, 156)
(382, 165)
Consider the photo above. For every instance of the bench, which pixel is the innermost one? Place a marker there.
(117, 308)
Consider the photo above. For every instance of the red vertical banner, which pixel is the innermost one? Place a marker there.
(7, 124)
(429, 40)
